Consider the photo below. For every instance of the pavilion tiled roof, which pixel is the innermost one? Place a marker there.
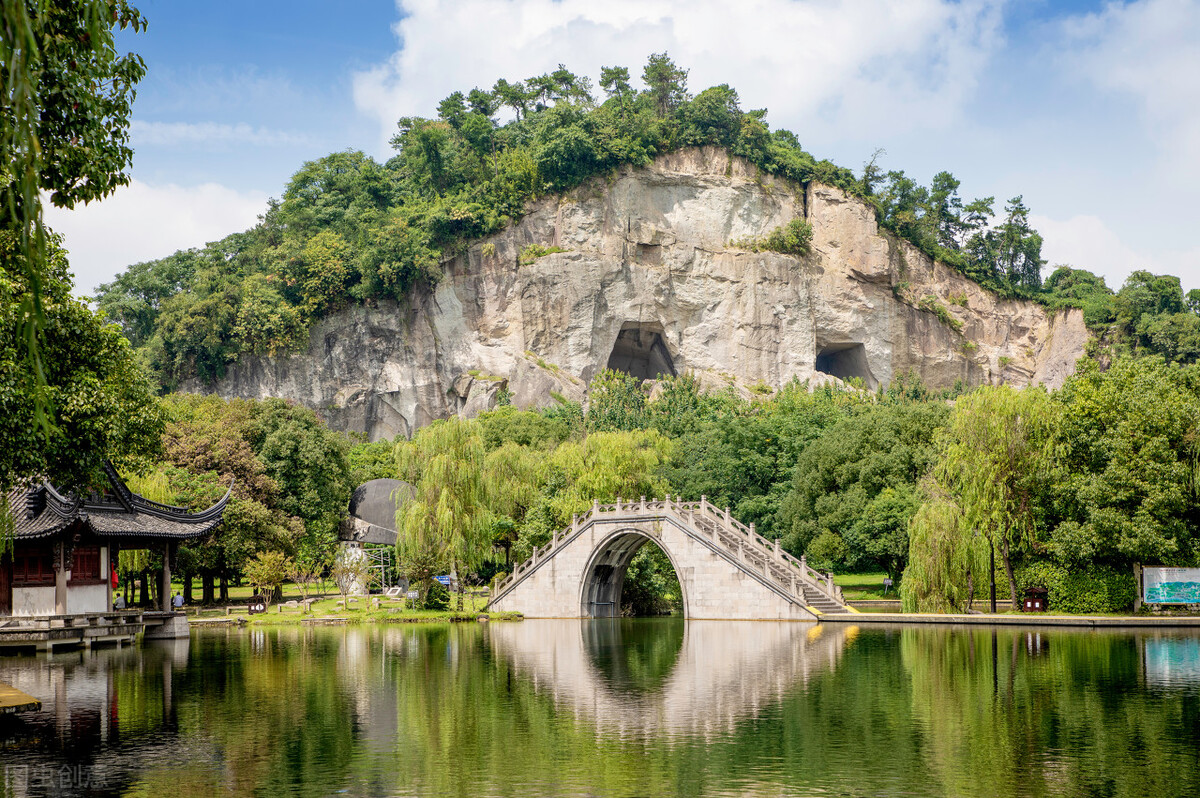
(38, 510)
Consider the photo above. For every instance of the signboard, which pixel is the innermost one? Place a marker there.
(1171, 585)
(256, 605)
(445, 580)
(413, 595)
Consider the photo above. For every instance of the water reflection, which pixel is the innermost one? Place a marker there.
(546, 708)
(665, 678)
(105, 715)
(1172, 661)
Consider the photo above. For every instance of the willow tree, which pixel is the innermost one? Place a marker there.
(945, 558)
(451, 517)
(993, 459)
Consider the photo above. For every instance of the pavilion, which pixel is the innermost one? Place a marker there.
(64, 547)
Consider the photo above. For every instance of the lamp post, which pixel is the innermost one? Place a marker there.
(992, 573)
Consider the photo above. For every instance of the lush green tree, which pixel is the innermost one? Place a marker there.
(992, 465)
(1019, 247)
(666, 83)
(375, 460)
(290, 476)
(64, 123)
(743, 457)
(1125, 487)
(841, 478)
(615, 401)
(102, 406)
(615, 82)
(713, 118)
(135, 297)
(450, 516)
(948, 559)
(267, 572)
(512, 95)
(307, 461)
(1070, 287)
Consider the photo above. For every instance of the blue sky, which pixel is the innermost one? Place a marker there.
(1091, 111)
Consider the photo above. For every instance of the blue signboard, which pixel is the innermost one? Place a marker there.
(1171, 585)
(445, 580)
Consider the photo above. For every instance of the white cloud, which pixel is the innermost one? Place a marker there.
(856, 65)
(1148, 51)
(191, 133)
(1085, 242)
(141, 222)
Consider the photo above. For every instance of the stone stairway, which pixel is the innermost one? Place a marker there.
(738, 543)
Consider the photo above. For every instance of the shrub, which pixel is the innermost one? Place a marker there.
(827, 552)
(1097, 589)
(534, 251)
(437, 597)
(930, 304)
(793, 238)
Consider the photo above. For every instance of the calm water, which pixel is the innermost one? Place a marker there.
(618, 708)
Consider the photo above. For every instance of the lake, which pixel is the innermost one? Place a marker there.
(613, 708)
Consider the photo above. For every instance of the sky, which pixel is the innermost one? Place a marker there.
(1091, 111)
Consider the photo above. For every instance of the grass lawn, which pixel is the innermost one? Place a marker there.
(331, 605)
(860, 587)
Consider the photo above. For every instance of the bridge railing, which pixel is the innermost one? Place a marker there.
(822, 582)
(789, 571)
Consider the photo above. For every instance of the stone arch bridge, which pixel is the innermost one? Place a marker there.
(726, 570)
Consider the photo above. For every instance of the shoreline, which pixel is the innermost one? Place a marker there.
(1025, 619)
(281, 619)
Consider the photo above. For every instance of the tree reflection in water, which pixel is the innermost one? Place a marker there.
(614, 707)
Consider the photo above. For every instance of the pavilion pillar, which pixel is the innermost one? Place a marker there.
(164, 594)
(60, 579)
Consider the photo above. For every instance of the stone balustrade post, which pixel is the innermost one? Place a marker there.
(574, 522)
(726, 516)
(643, 504)
(776, 547)
(595, 506)
(618, 504)
(804, 565)
(752, 532)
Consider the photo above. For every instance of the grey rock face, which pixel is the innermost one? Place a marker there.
(651, 278)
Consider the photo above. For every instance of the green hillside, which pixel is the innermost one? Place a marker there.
(348, 229)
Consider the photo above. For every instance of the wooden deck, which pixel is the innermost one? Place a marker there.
(13, 700)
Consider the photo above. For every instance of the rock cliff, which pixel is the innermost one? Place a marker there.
(648, 281)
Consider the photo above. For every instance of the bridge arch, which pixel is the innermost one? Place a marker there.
(725, 569)
(604, 575)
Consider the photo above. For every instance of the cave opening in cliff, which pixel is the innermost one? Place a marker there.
(641, 352)
(846, 361)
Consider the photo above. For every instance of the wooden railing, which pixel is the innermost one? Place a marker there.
(752, 551)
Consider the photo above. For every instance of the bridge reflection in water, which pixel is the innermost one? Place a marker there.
(666, 678)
